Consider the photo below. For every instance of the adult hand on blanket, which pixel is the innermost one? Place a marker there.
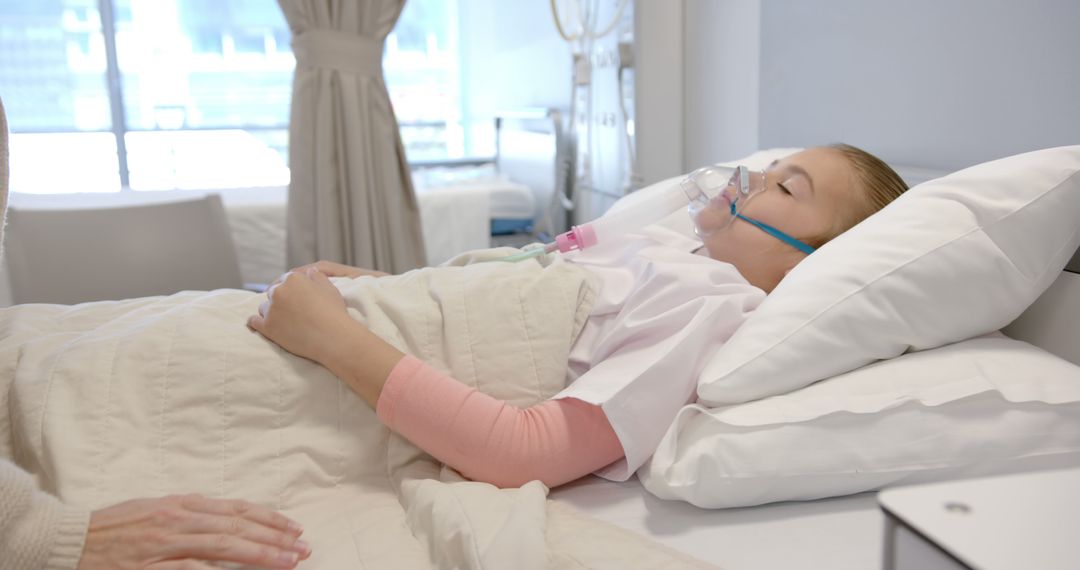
(332, 269)
(182, 531)
(305, 314)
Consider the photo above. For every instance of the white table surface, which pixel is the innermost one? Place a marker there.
(1028, 520)
(843, 533)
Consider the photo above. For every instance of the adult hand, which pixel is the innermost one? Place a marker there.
(190, 532)
(304, 314)
(331, 269)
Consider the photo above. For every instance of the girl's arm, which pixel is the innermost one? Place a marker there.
(485, 439)
(489, 440)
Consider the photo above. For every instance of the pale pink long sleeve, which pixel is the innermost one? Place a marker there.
(488, 440)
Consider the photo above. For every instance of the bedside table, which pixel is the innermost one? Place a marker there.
(1019, 521)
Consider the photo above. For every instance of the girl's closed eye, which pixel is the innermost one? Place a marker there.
(784, 188)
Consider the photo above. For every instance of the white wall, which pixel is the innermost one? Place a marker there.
(512, 57)
(931, 83)
(721, 69)
(927, 83)
(697, 83)
(658, 88)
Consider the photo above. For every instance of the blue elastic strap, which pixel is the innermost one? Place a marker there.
(803, 247)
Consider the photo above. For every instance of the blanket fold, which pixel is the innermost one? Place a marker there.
(114, 400)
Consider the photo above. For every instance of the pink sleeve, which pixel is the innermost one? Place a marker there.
(488, 440)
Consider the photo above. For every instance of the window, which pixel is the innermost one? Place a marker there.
(422, 74)
(201, 91)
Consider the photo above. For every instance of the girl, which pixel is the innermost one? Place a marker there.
(664, 304)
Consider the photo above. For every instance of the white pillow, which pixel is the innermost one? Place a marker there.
(679, 220)
(983, 406)
(953, 258)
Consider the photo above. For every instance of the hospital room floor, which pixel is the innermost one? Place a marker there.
(843, 533)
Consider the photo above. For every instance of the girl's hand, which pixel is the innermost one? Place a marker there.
(190, 531)
(304, 314)
(331, 269)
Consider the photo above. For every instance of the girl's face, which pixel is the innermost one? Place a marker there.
(803, 196)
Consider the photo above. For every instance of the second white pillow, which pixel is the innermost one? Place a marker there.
(983, 406)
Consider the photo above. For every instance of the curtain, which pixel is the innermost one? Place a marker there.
(3, 173)
(351, 197)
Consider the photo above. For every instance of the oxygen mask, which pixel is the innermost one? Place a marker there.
(717, 195)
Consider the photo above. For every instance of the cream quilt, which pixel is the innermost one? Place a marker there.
(115, 400)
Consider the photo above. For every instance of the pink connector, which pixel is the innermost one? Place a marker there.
(579, 237)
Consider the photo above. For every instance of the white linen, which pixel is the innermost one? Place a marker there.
(983, 406)
(661, 312)
(456, 218)
(952, 258)
(116, 400)
(456, 215)
(453, 222)
(257, 221)
(506, 198)
(510, 200)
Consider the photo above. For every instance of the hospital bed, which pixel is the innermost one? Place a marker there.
(841, 532)
(835, 533)
(510, 200)
(845, 532)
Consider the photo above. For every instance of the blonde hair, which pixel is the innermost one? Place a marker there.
(880, 184)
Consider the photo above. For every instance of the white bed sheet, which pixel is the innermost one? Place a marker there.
(843, 533)
(507, 199)
(456, 216)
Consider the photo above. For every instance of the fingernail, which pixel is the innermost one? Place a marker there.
(302, 547)
(288, 558)
(295, 528)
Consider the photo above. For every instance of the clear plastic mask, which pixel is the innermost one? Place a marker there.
(717, 194)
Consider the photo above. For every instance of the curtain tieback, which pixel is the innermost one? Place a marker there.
(340, 51)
